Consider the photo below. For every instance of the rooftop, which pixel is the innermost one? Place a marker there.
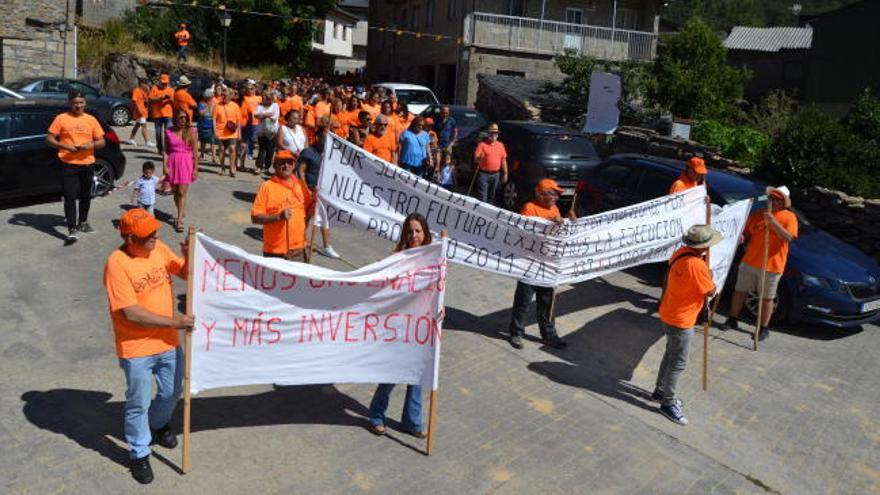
(771, 39)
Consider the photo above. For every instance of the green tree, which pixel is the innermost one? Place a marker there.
(636, 77)
(253, 39)
(693, 78)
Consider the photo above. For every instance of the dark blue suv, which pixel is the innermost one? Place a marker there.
(826, 280)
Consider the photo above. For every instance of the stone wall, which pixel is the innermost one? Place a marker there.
(120, 71)
(28, 51)
(482, 62)
(851, 218)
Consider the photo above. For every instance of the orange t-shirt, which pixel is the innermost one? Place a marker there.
(687, 285)
(182, 99)
(274, 195)
(297, 102)
(777, 252)
(381, 146)
(532, 209)
(322, 108)
(341, 129)
(161, 108)
(682, 184)
(250, 106)
(284, 107)
(309, 119)
(223, 114)
(139, 97)
(373, 109)
(490, 156)
(76, 131)
(145, 282)
(404, 122)
(182, 37)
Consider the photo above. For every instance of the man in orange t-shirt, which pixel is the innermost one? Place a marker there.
(688, 284)
(227, 124)
(325, 104)
(490, 158)
(694, 175)
(380, 142)
(372, 105)
(283, 206)
(161, 100)
(182, 37)
(137, 277)
(544, 206)
(783, 225)
(182, 100)
(76, 135)
(139, 116)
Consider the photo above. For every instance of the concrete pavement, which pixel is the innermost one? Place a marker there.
(799, 416)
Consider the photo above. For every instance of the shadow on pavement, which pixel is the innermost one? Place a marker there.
(254, 233)
(47, 223)
(88, 418)
(247, 197)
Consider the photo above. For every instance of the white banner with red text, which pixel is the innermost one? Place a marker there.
(730, 221)
(358, 190)
(267, 320)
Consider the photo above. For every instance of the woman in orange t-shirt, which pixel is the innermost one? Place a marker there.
(76, 135)
(227, 125)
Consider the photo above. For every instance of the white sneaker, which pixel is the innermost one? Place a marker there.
(150, 143)
(329, 252)
(131, 142)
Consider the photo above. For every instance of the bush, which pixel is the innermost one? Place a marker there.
(635, 77)
(95, 44)
(864, 118)
(741, 143)
(817, 149)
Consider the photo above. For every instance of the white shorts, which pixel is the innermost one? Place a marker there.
(142, 121)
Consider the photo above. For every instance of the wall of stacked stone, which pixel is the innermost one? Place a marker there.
(853, 219)
(28, 51)
(121, 71)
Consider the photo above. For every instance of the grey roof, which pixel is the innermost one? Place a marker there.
(770, 39)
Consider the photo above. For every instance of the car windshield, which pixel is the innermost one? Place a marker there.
(417, 96)
(565, 146)
(468, 118)
(17, 85)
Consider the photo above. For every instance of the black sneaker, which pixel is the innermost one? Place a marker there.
(764, 334)
(141, 470)
(656, 396)
(516, 341)
(731, 324)
(164, 437)
(555, 342)
(85, 228)
(71, 236)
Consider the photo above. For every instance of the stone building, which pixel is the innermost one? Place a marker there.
(37, 39)
(507, 37)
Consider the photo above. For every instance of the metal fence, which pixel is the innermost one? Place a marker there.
(526, 34)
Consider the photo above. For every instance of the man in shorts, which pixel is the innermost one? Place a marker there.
(783, 227)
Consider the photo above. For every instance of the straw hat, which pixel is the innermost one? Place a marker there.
(780, 191)
(183, 81)
(701, 237)
(492, 128)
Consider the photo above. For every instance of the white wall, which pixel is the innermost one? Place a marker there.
(337, 37)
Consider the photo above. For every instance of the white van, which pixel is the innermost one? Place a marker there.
(417, 98)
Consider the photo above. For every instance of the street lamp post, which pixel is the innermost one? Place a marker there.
(225, 21)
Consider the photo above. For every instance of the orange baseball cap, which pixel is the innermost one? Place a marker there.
(165, 78)
(284, 155)
(138, 222)
(429, 121)
(697, 165)
(548, 184)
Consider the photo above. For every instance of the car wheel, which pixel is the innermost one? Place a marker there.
(752, 305)
(511, 195)
(120, 116)
(103, 181)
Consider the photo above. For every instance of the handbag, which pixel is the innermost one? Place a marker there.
(231, 125)
(270, 127)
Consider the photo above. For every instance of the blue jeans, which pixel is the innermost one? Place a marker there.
(417, 170)
(250, 138)
(487, 186)
(678, 346)
(161, 124)
(141, 413)
(412, 406)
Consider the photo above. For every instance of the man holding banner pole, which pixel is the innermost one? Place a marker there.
(137, 278)
(282, 207)
(783, 229)
(694, 175)
(688, 284)
(544, 206)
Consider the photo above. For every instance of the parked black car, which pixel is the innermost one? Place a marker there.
(467, 119)
(534, 151)
(113, 109)
(826, 280)
(28, 166)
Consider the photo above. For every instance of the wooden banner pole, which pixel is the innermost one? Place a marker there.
(473, 180)
(711, 312)
(761, 294)
(187, 368)
(311, 250)
(432, 417)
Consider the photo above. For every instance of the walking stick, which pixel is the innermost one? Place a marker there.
(473, 180)
(761, 294)
(187, 367)
(711, 312)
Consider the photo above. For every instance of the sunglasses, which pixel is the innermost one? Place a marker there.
(148, 238)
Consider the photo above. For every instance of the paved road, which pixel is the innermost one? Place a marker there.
(799, 416)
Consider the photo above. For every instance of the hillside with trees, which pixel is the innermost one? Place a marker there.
(721, 15)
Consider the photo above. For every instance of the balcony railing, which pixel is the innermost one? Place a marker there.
(526, 34)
